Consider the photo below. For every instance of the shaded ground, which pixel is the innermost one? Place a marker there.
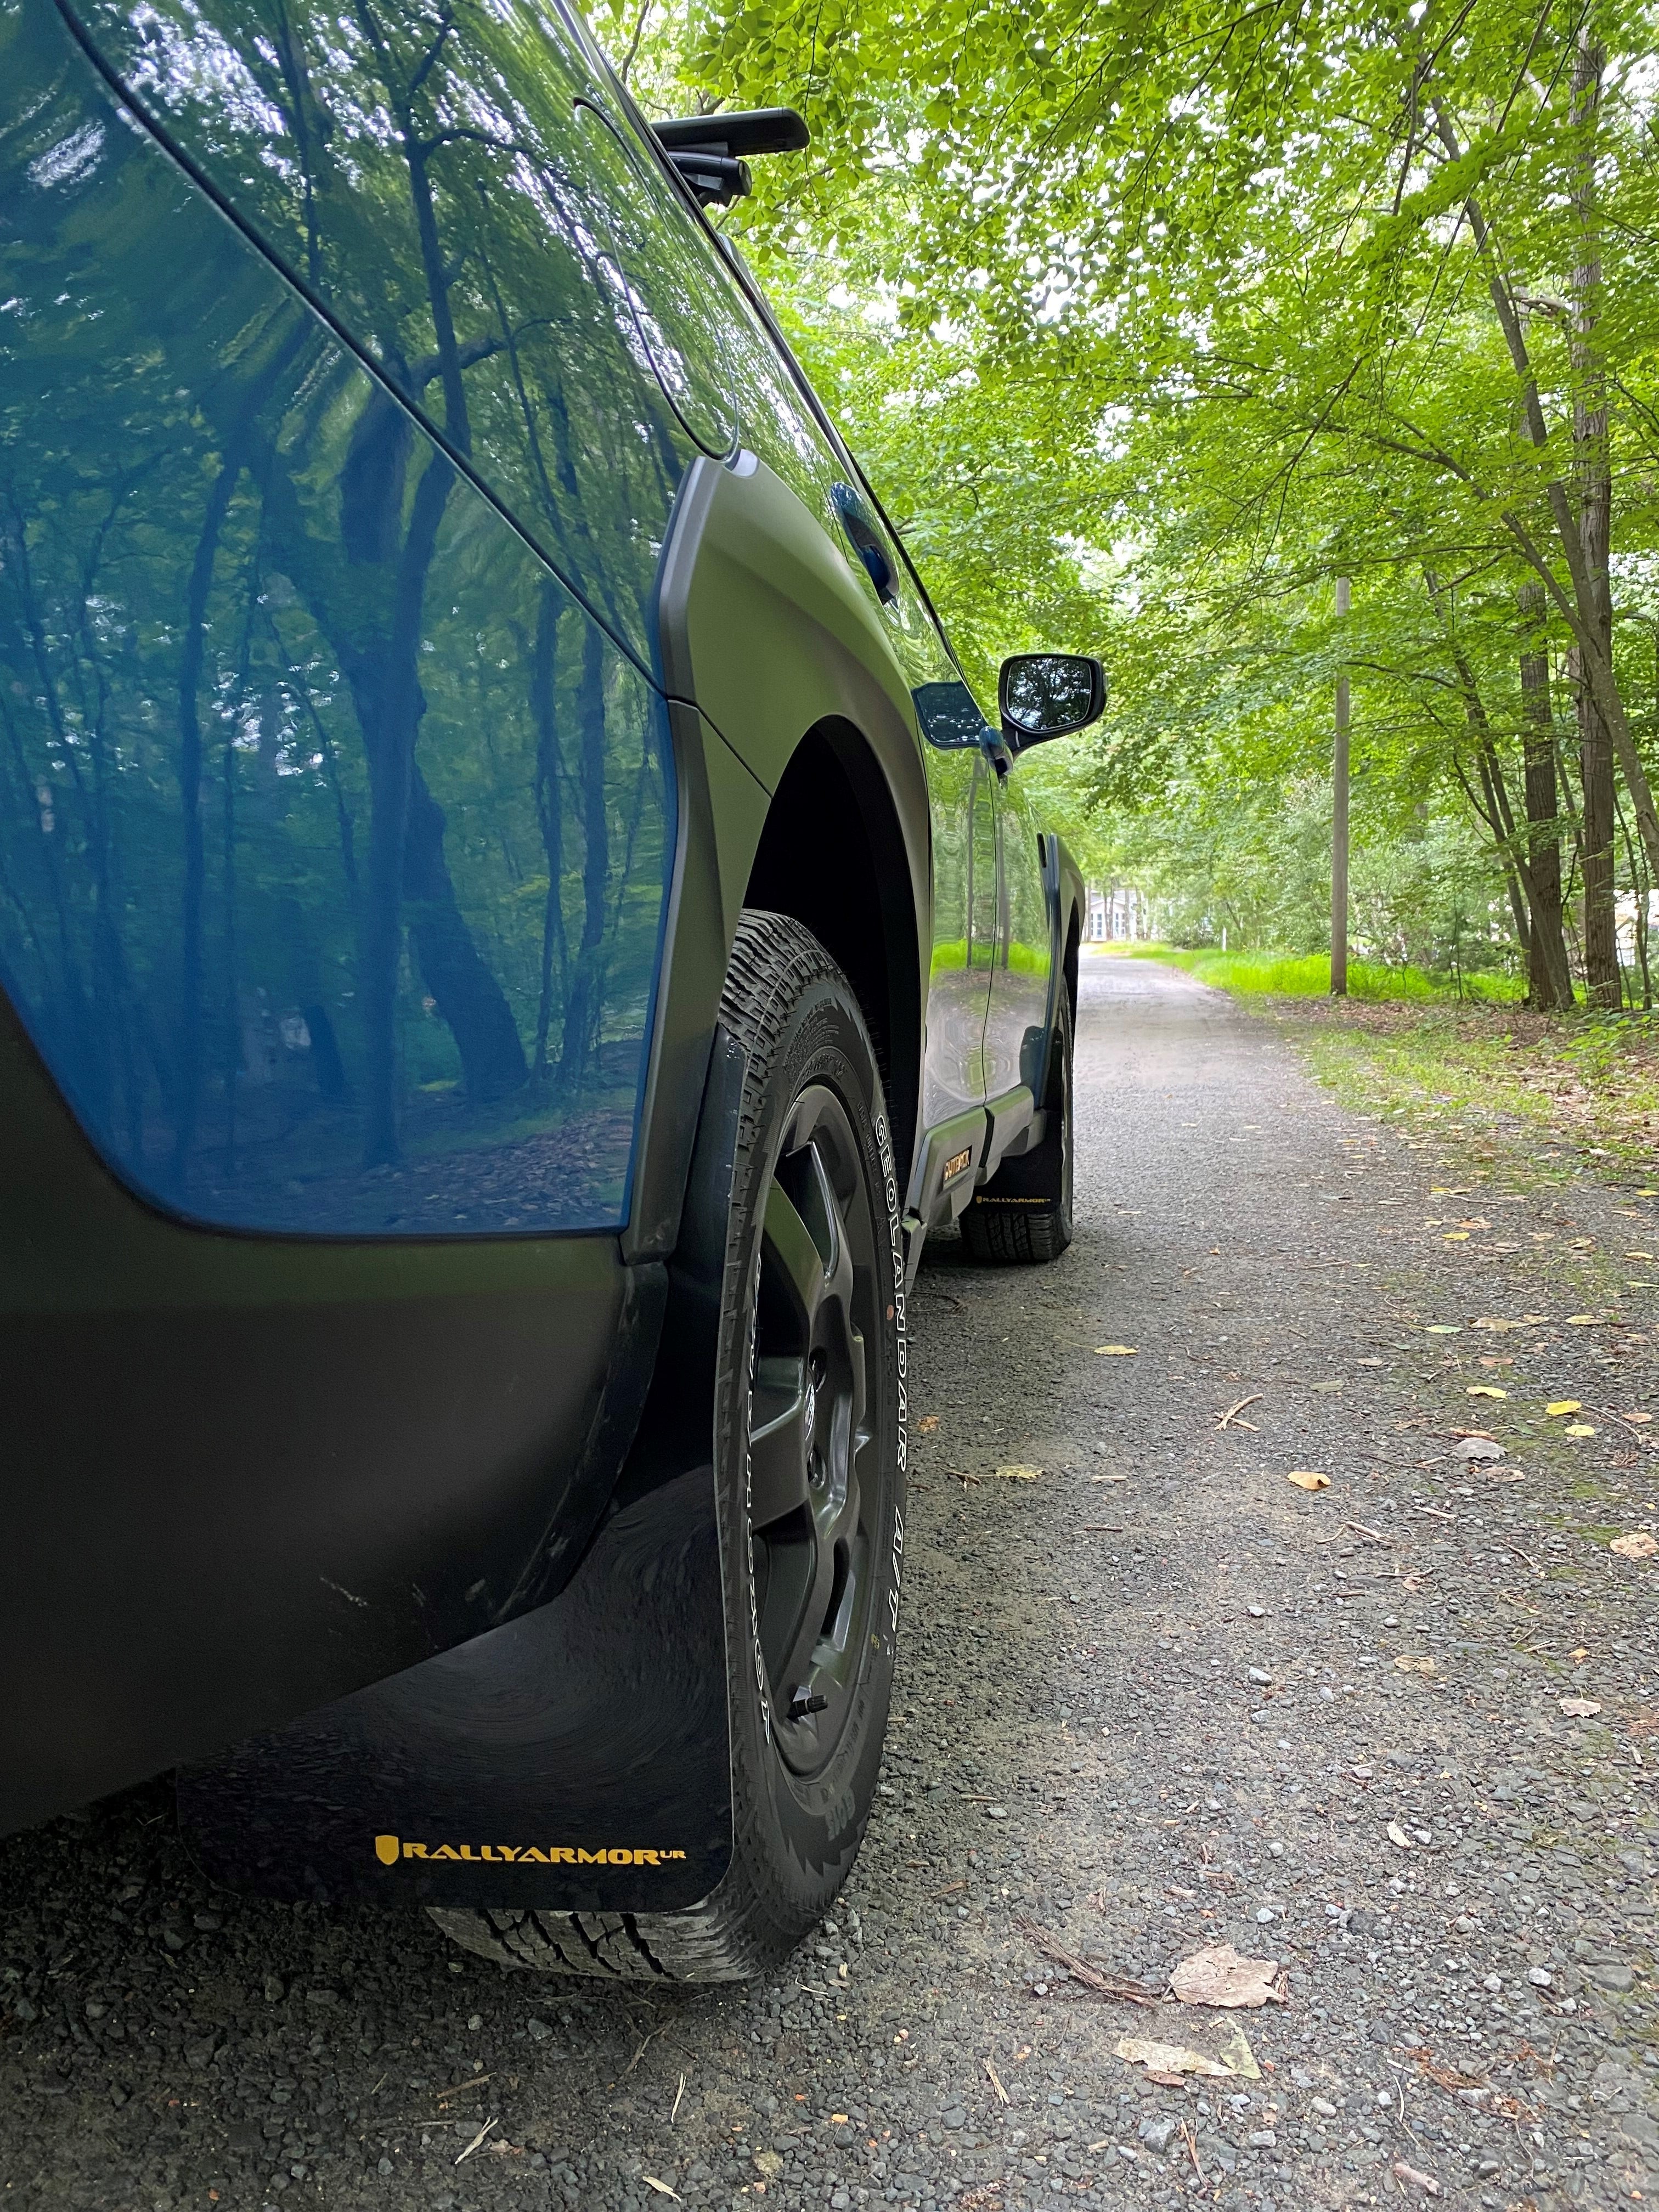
(1147, 1700)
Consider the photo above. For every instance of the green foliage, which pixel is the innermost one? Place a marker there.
(1152, 320)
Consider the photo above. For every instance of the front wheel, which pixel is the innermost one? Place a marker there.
(793, 1207)
(1023, 1214)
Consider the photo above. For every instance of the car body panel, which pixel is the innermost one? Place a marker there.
(341, 1191)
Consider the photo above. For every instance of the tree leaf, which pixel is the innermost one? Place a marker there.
(1217, 1975)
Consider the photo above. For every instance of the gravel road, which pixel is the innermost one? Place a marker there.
(1150, 1698)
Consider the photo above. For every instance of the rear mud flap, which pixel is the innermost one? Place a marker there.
(577, 1759)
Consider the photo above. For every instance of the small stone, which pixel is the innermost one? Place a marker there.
(1492, 1983)
(1262, 2139)
(954, 2117)
(1607, 1974)
(1259, 1674)
(1156, 2130)
(1323, 2106)
(1540, 1977)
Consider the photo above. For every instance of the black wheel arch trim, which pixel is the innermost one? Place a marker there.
(765, 638)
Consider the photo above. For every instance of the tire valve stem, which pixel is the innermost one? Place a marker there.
(800, 1704)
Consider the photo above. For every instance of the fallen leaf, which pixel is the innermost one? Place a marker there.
(1642, 1417)
(1166, 2057)
(1407, 1665)
(1397, 1835)
(1578, 1429)
(1559, 1406)
(1236, 2054)
(1218, 1976)
(1306, 1478)
(1640, 1545)
(925, 1425)
(1580, 1709)
(1116, 1350)
(1486, 1390)
(1413, 2179)
(661, 2188)
(769, 2162)
(1469, 1448)
(1019, 1474)
(1455, 1236)
(1493, 1321)
(1444, 1328)
(1580, 1321)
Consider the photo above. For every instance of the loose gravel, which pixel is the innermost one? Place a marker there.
(1149, 1699)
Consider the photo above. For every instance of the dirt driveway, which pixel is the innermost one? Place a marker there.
(1398, 1734)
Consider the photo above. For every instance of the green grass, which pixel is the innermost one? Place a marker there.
(1308, 976)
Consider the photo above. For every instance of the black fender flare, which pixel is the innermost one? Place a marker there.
(764, 634)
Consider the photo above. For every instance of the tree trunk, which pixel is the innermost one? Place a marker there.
(579, 1051)
(549, 808)
(1549, 982)
(188, 1097)
(1595, 489)
(467, 994)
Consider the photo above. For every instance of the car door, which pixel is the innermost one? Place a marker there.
(1015, 1029)
(966, 900)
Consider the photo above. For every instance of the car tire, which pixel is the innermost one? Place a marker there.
(1023, 1214)
(794, 1201)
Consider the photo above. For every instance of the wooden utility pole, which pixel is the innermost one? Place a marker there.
(1339, 824)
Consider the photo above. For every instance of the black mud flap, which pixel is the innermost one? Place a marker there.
(577, 1759)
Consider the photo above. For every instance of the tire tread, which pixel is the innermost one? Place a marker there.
(736, 1932)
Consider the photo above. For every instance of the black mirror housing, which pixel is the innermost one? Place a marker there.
(1049, 694)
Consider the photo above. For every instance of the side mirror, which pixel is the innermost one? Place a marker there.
(1049, 694)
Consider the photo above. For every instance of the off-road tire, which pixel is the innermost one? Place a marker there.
(791, 1032)
(1023, 1214)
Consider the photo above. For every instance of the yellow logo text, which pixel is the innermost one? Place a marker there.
(391, 1850)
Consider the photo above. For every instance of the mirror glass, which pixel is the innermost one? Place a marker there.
(1047, 695)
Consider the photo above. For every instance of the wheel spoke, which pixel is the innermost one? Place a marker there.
(821, 1294)
(777, 1442)
(787, 1243)
(798, 1663)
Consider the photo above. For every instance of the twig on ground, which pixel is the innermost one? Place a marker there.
(1376, 1535)
(477, 2082)
(476, 2140)
(1229, 1418)
(1093, 1978)
(996, 2081)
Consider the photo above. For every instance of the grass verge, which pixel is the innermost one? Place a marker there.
(1308, 976)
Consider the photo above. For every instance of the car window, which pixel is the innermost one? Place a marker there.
(668, 291)
(424, 169)
(334, 834)
(950, 715)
